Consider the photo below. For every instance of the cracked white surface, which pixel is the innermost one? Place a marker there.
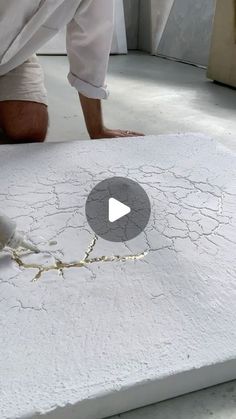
(96, 339)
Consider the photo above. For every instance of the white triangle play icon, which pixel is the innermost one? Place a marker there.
(117, 210)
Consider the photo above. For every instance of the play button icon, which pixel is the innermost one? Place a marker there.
(118, 209)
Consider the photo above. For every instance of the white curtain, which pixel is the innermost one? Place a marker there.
(119, 46)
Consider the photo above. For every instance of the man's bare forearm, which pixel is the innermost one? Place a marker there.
(92, 110)
(93, 115)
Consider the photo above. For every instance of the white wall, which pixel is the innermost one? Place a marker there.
(179, 29)
(187, 33)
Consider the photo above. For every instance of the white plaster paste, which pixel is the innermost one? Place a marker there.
(103, 338)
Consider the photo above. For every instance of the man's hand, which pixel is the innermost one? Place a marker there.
(115, 133)
(92, 109)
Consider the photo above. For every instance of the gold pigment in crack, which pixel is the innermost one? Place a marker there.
(61, 266)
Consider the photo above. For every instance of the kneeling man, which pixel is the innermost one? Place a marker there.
(25, 26)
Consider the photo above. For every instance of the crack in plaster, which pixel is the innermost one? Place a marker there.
(60, 266)
(184, 213)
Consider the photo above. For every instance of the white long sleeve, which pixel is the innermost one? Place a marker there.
(89, 39)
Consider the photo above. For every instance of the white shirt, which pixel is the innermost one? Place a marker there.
(25, 25)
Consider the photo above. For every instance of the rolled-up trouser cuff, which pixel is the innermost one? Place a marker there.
(24, 83)
(87, 89)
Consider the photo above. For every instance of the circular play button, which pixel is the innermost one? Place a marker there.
(118, 209)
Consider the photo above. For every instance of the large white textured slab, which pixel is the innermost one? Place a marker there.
(105, 336)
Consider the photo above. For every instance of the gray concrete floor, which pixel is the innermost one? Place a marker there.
(148, 94)
(216, 403)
